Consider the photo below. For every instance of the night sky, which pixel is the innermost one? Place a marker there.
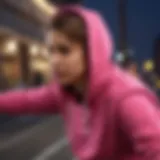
(143, 23)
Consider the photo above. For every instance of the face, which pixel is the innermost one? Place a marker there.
(67, 59)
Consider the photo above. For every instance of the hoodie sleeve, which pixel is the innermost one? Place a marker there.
(43, 100)
(141, 122)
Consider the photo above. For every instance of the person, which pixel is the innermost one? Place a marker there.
(131, 66)
(127, 62)
(108, 114)
(151, 75)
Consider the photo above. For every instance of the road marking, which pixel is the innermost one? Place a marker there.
(53, 149)
(21, 136)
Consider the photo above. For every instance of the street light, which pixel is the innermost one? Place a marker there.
(11, 47)
(122, 16)
(45, 6)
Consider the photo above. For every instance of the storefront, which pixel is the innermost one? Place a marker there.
(22, 52)
(20, 58)
(22, 49)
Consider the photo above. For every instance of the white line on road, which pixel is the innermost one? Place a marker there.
(21, 135)
(53, 149)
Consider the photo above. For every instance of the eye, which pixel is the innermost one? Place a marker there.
(60, 49)
(63, 49)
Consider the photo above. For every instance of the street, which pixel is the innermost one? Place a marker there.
(41, 141)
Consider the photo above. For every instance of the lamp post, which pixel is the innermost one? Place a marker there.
(122, 19)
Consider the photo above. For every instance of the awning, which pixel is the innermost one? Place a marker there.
(24, 27)
(31, 8)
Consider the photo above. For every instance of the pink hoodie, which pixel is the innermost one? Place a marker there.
(119, 120)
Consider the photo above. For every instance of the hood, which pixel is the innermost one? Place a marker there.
(100, 47)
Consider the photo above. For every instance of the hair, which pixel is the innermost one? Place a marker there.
(71, 25)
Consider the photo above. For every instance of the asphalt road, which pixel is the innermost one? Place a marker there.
(43, 140)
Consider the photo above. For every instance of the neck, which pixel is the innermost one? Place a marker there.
(79, 90)
(80, 87)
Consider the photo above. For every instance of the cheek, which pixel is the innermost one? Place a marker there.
(77, 62)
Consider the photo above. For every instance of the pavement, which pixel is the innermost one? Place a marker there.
(43, 140)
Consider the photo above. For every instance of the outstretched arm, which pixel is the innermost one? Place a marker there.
(45, 100)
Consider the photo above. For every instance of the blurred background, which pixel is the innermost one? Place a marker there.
(25, 62)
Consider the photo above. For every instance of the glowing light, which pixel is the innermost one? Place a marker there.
(148, 65)
(34, 50)
(119, 57)
(45, 6)
(11, 47)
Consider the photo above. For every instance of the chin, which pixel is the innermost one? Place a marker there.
(65, 82)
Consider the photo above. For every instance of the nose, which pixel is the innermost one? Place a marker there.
(56, 59)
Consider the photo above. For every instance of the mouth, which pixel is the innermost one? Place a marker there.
(60, 74)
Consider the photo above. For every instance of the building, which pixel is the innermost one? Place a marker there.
(22, 48)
